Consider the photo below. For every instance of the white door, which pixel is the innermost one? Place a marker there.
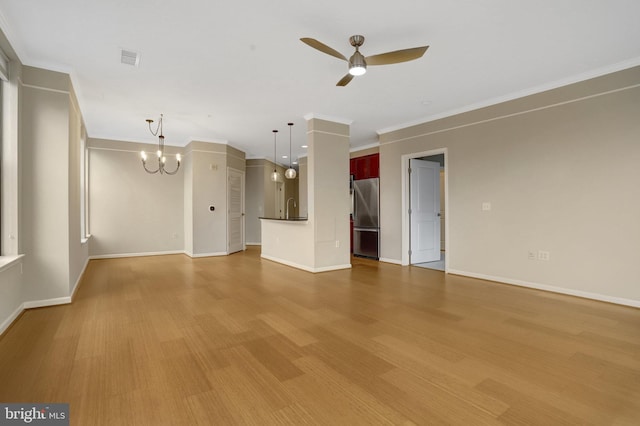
(424, 196)
(235, 214)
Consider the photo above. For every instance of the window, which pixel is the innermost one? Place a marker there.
(1, 168)
(8, 162)
(3, 78)
(84, 186)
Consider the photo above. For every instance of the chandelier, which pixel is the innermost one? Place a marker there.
(161, 157)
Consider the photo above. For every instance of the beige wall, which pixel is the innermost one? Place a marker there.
(45, 138)
(261, 196)
(254, 199)
(560, 170)
(208, 187)
(43, 121)
(291, 190)
(78, 247)
(10, 295)
(328, 191)
(269, 188)
(50, 135)
(131, 211)
(187, 170)
(303, 187)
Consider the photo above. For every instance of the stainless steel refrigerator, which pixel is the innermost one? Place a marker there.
(366, 214)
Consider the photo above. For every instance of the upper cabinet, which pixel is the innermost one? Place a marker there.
(365, 167)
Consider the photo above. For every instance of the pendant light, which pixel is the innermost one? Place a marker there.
(275, 176)
(291, 172)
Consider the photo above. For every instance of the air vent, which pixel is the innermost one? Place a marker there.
(128, 57)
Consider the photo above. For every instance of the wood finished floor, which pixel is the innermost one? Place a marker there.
(240, 340)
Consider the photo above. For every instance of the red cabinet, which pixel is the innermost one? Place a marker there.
(365, 167)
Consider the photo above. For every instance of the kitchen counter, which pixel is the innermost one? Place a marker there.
(291, 219)
(294, 242)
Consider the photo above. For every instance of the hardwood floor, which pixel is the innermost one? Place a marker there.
(240, 340)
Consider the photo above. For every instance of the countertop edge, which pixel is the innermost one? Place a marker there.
(297, 219)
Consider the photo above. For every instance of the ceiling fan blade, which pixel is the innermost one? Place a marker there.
(345, 80)
(323, 48)
(397, 56)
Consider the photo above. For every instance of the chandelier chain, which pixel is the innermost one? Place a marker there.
(158, 127)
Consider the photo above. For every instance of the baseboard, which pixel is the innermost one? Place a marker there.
(158, 253)
(305, 267)
(10, 319)
(550, 288)
(332, 268)
(394, 261)
(151, 253)
(195, 256)
(253, 244)
(75, 286)
(42, 303)
(287, 262)
(47, 302)
(31, 305)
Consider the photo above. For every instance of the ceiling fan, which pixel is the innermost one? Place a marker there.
(358, 63)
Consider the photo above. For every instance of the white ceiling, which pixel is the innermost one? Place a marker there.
(233, 71)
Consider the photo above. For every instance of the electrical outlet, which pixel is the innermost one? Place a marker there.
(486, 206)
(543, 255)
(532, 255)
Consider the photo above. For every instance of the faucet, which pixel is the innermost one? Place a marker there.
(294, 205)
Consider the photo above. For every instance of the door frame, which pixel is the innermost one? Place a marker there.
(406, 229)
(425, 178)
(243, 177)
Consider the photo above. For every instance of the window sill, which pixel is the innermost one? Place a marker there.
(7, 262)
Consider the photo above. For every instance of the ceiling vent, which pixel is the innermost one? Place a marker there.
(128, 57)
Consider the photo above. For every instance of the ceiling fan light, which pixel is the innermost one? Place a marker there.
(357, 64)
(357, 70)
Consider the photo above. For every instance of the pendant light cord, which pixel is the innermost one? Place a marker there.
(290, 126)
(275, 165)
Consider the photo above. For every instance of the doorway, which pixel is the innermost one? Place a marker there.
(425, 206)
(235, 213)
(279, 202)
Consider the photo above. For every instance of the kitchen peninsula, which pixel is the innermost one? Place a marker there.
(319, 242)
